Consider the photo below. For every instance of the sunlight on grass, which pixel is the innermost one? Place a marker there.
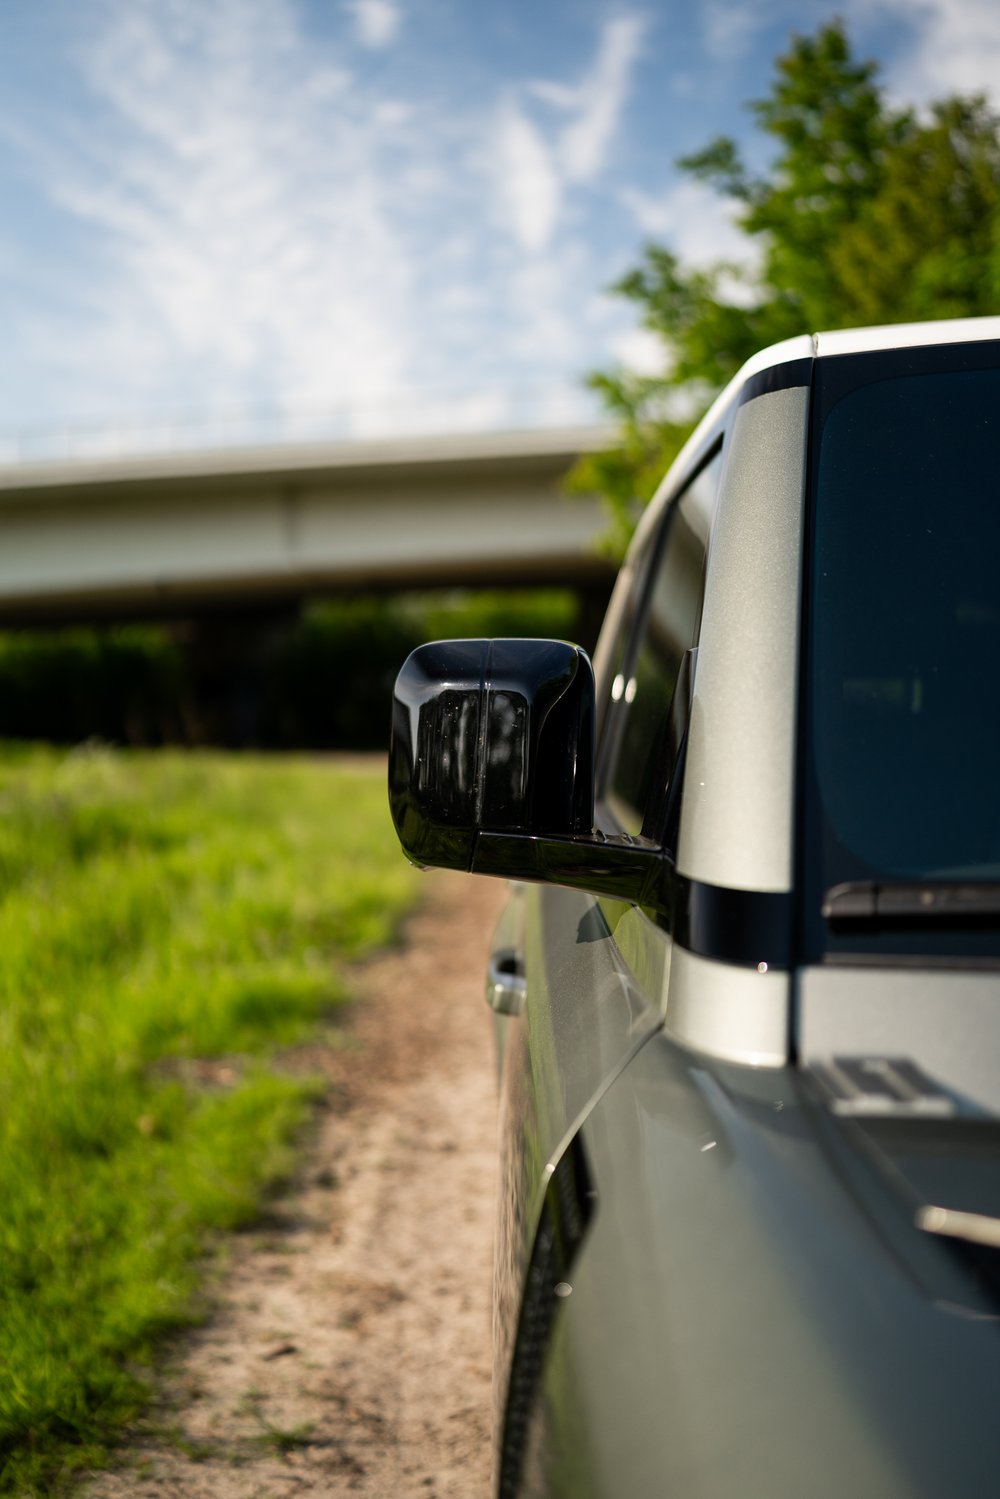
(154, 908)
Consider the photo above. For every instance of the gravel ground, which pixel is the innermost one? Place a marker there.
(349, 1349)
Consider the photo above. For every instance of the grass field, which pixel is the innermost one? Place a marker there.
(154, 909)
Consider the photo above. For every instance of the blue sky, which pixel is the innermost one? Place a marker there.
(229, 218)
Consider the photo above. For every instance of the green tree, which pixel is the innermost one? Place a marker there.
(867, 213)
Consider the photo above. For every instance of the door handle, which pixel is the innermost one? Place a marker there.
(506, 985)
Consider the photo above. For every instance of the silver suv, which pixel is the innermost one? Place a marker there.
(748, 981)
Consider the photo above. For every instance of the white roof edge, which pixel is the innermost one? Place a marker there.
(844, 341)
(817, 345)
(908, 335)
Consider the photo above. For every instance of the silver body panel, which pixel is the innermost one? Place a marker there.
(736, 824)
(738, 1326)
(736, 1014)
(898, 1012)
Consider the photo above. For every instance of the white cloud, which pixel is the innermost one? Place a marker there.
(376, 21)
(640, 351)
(235, 184)
(536, 168)
(692, 220)
(260, 232)
(601, 98)
(545, 323)
(954, 46)
(528, 180)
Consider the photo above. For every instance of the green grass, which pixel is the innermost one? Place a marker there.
(154, 909)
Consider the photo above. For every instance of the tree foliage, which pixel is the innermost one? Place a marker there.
(867, 213)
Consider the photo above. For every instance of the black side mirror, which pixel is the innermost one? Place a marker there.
(490, 735)
(491, 767)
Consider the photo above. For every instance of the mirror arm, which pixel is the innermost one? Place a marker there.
(622, 871)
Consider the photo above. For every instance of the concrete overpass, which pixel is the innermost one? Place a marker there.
(261, 527)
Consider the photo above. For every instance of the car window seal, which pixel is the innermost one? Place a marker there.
(916, 901)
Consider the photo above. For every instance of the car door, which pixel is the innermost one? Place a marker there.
(583, 978)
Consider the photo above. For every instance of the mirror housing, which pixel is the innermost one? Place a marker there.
(491, 767)
(490, 736)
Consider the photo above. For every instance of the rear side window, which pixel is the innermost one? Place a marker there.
(902, 694)
(643, 689)
(906, 638)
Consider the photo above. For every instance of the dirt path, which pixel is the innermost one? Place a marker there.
(350, 1350)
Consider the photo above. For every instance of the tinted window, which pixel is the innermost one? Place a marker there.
(905, 641)
(642, 691)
